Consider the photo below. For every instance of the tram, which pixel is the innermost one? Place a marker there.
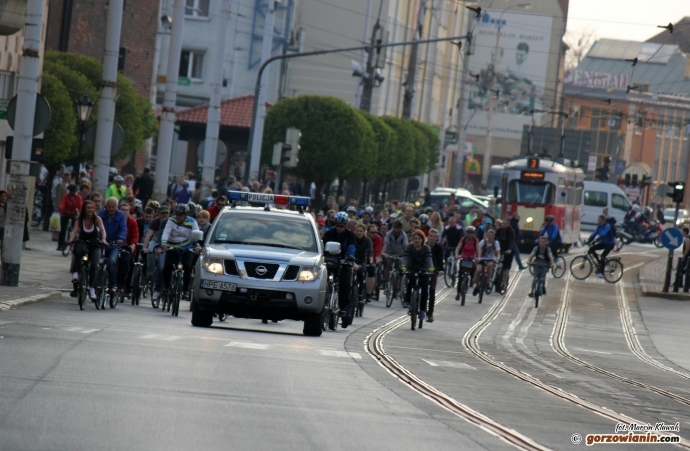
(538, 187)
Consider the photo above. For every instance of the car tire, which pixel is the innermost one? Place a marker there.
(312, 325)
(201, 319)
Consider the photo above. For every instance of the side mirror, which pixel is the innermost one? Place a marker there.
(197, 235)
(333, 248)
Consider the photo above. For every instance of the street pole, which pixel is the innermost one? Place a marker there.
(27, 87)
(363, 60)
(365, 89)
(252, 171)
(669, 261)
(213, 121)
(257, 87)
(410, 80)
(166, 130)
(445, 96)
(153, 91)
(106, 105)
(462, 107)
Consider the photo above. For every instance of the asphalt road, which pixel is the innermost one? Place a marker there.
(135, 378)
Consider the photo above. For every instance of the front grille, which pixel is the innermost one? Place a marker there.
(257, 294)
(231, 267)
(251, 267)
(291, 272)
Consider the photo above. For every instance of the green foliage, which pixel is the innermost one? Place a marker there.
(402, 162)
(386, 140)
(78, 75)
(432, 144)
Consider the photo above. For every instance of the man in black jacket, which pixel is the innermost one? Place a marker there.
(505, 235)
(437, 258)
(515, 225)
(143, 187)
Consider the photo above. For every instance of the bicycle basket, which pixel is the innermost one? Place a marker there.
(466, 264)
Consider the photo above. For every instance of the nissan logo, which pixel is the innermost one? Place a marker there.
(261, 270)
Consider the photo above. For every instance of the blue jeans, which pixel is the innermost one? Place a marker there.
(112, 252)
(518, 259)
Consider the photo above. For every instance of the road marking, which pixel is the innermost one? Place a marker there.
(5, 322)
(72, 329)
(247, 345)
(160, 337)
(149, 336)
(458, 365)
(589, 350)
(329, 353)
(88, 331)
(422, 349)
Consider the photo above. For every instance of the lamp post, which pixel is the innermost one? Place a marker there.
(84, 110)
(487, 154)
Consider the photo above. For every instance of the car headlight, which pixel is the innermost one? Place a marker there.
(214, 265)
(308, 273)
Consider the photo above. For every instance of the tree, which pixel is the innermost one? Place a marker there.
(334, 139)
(579, 42)
(429, 154)
(401, 162)
(59, 135)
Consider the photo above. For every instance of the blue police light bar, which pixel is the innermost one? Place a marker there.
(262, 198)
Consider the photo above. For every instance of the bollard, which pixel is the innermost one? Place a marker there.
(679, 276)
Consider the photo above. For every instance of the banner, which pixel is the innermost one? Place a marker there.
(512, 71)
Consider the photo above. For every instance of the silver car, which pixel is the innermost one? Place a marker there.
(261, 263)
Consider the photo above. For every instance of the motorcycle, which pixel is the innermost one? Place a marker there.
(652, 234)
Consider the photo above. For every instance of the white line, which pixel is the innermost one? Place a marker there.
(247, 345)
(150, 336)
(88, 331)
(72, 329)
(589, 350)
(430, 362)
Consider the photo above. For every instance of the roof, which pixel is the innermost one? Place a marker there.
(680, 37)
(235, 112)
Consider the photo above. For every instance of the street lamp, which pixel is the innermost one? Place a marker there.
(487, 154)
(84, 110)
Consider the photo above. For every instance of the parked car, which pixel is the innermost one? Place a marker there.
(683, 216)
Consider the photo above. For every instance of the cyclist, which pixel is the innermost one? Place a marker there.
(144, 222)
(126, 258)
(341, 235)
(506, 238)
(394, 244)
(176, 240)
(424, 220)
(87, 227)
(605, 242)
(153, 238)
(542, 253)
(551, 230)
(70, 206)
(467, 249)
(439, 264)
(452, 234)
(364, 254)
(417, 257)
(489, 251)
(117, 189)
(115, 225)
(377, 244)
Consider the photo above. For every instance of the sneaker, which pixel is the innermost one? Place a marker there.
(156, 295)
(530, 294)
(406, 304)
(430, 318)
(185, 297)
(73, 294)
(422, 315)
(457, 297)
(92, 293)
(543, 291)
(475, 291)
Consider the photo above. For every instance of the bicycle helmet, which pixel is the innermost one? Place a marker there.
(72, 188)
(185, 183)
(351, 208)
(648, 210)
(636, 208)
(192, 208)
(456, 207)
(137, 203)
(548, 218)
(181, 209)
(470, 229)
(153, 204)
(118, 178)
(369, 209)
(341, 218)
(423, 218)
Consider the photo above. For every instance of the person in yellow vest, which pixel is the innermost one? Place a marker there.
(117, 189)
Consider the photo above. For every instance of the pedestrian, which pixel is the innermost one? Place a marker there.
(129, 181)
(3, 212)
(515, 225)
(183, 195)
(174, 187)
(59, 191)
(143, 186)
(70, 207)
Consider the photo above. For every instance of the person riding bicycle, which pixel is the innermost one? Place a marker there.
(506, 238)
(551, 230)
(127, 258)
(115, 225)
(89, 228)
(452, 234)
(340, 234)
(394, 244)
(439, 264)
(467, 249)
(417, 257)
(605, 241)
(364, 256)
(489, 252)
(424, 221)
(174, 242)
(541, 253)
(70, 206)
(152, 239)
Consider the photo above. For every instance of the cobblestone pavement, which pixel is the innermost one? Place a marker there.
(652, 280)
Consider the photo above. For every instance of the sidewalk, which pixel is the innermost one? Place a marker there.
(651, 279)
(44, 273)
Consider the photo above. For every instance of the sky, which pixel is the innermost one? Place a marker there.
(633, 20)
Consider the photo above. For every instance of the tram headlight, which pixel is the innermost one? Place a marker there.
(529, 220)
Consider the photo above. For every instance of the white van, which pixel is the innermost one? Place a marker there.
(598, 195)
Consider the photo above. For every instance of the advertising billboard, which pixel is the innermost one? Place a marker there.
(511, 69)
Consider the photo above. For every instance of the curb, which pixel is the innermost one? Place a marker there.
(651, 291)
(8, 305)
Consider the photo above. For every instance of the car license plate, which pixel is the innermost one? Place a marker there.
(216, 285)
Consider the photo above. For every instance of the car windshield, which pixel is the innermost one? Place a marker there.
(255, 230)
(531, 192)
(670, 213)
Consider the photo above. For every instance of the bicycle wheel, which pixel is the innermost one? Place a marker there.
(581, 267)
(657, 242)
(333, 320)
(537, 293)
(613, 270)
(413, 308)
(531, 270)
(559, 270)
(390, 290)
(448, 276)
(177, 295)
(114, 299)
(619, 244)
(83, 292)
(66, 250)
(103, 282)
(482, 283)
(463, 289)
(136, 285)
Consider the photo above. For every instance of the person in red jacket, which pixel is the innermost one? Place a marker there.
(377, 244)
(214, 209)
(70, 206)
(126, 258)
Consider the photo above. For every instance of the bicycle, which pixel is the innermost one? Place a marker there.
(330, 312)
(558, 269)
(120, 295)
(450, 271)
(137, 273)
(361, 289)
(172, 296)
(354, 297)
(497, 278)
(484, 286)
(102, 281)
(67, 248)
(465, 278)
(539, 284)
(581, 267)
(415, 298)
(389, 291)
(83, 279)
(150, 283)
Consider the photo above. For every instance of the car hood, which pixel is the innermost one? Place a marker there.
(261, 253)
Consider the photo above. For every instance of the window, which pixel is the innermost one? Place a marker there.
(620, 202)
(251, 230)
(596, 113)
(596, 198)
(542, 193)
(192, 64)
(197, 8)
(121, 59)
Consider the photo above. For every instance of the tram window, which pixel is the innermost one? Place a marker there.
(596, 198)
(620, 202)
(531, 192)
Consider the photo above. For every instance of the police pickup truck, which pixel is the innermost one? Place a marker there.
(264, 263)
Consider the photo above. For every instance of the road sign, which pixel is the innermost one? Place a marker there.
(591, 164)
(41, 116)
(450, 138)
(672, 238)
(221, 152)
(3, 108)
(116, 142)
(184, 81)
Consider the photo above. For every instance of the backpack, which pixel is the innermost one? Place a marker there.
(611, 235)
(611, 220)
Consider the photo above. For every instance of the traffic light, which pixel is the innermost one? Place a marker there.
(677, 191)
(627, 179)
(634, 180)
(292, 141)
(602, 173)
(646, 181)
